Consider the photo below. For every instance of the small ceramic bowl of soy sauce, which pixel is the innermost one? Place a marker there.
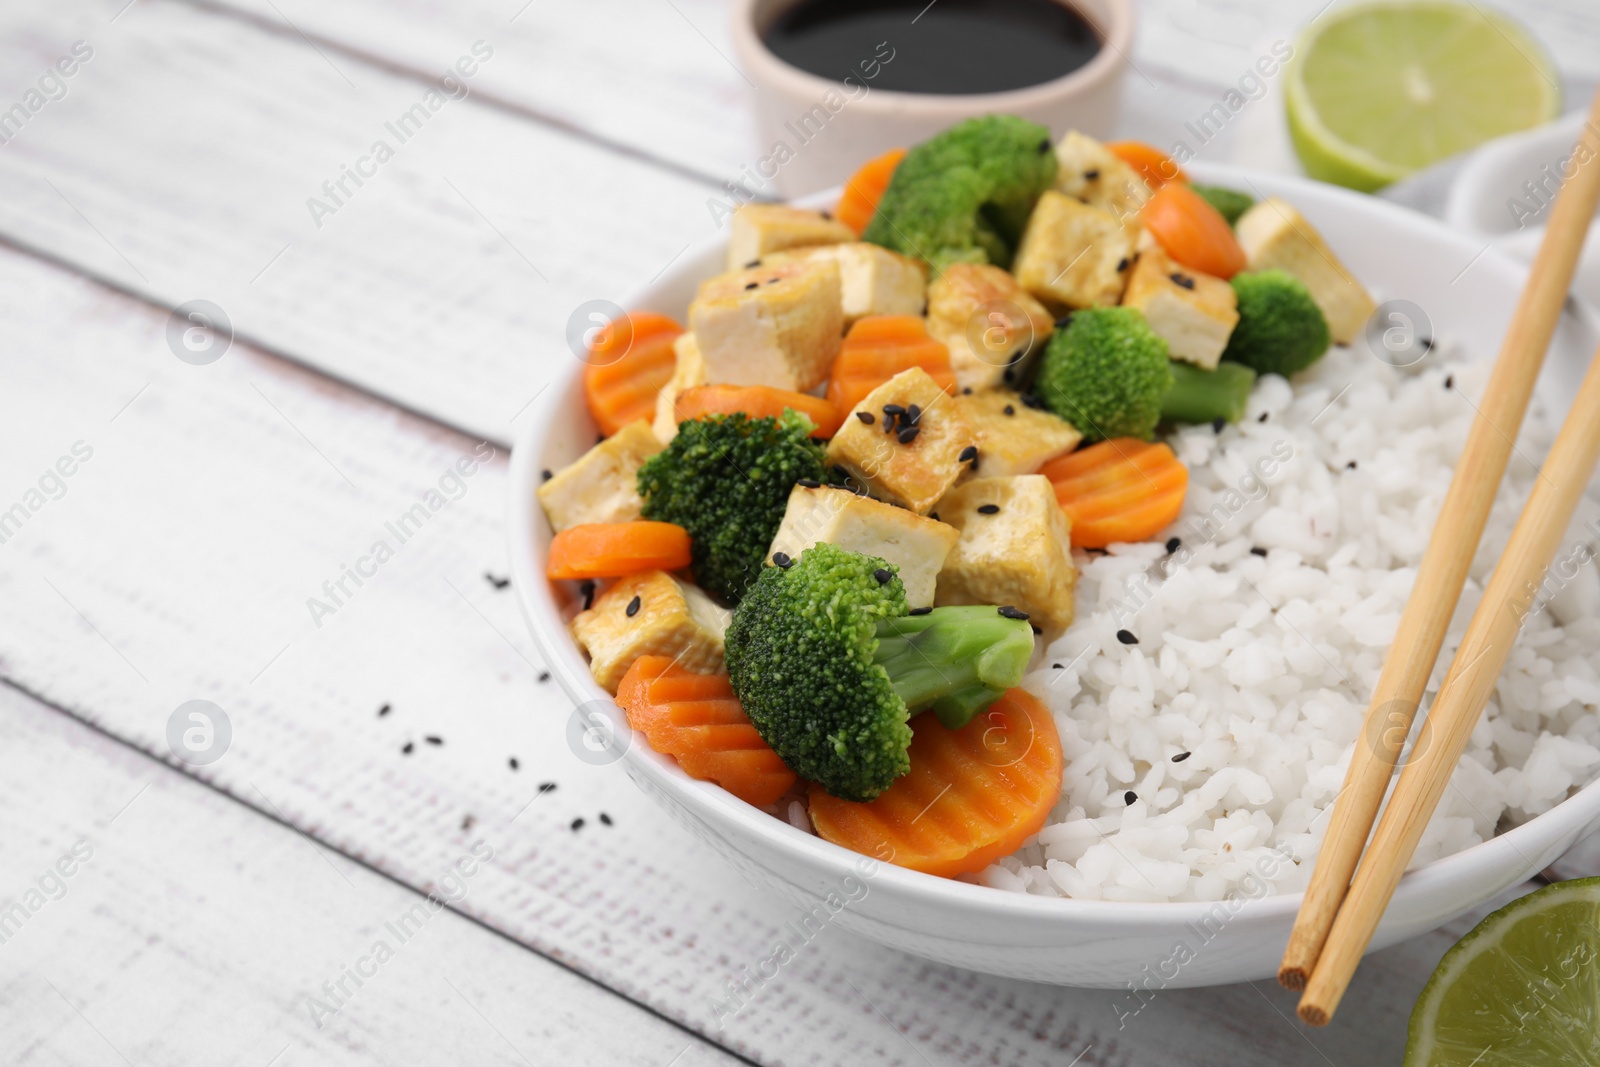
(838, 81)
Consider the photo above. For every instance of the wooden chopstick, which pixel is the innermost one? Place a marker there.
(1444, 565)
(1506, 602)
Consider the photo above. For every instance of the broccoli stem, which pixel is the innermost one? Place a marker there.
(1207, 395)
(956, 661)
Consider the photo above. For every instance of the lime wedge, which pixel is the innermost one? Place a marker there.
(1522, 988)
(1378, 91)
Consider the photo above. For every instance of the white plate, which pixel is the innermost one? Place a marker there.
(1468, 294)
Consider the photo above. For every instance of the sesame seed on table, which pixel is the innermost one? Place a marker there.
(408, 332)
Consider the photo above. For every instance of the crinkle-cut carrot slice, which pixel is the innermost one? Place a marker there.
(876, 349)
(626, 366)
(697, 720)
(971, 796)
(1120, 490)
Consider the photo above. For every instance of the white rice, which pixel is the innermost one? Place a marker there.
(1260, 668)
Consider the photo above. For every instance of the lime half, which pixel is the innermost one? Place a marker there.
(1378, 91)
(1522, 989)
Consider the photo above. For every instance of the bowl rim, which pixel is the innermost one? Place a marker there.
(540, 611)
(1116, 44)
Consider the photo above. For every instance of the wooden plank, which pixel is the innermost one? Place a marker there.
(182, 928)
(445, 281)
(177, 564)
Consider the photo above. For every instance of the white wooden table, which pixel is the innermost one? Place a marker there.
(232, 912)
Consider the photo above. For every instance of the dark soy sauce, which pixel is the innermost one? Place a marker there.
(947, 47)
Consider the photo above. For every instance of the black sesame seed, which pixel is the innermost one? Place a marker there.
(406, 749)
(913, 413)
(1122, 264)
(546, 787)
(1263, 416)
(782, 559)
(434, 739)
(920, 611)
(498, 583)
(1257, 550)
(1056, 667)
(1126, 637)
(1044, 146)
(1129, 797)
(1016, 357)
(892, 410)
(1182, 280)
(1426, 343)
(809, 483)
(544, 676)
(1063, 322)
(826, 215)
(1009, 375)
(967, 391)
(968, 455)
(1010, 612)
(587, 588)
(1350, 466)
(1091, 175)
(513, 762)
(752, 263)
(633, 607)
(1173, 544)
(605, 819)
(751, 285)
(1009, 409)
(1217, 424)
(908, 434)
(883, 574)
(988, 509)
(467, 821)
(774, 281)
(577, 824)
(383, 711)
(867, 417)
(1449, 380)
(1180, 757)
(545, 475)
(1033, 402)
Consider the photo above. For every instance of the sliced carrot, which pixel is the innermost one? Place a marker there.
(628, 363)
(862, 191)
(971, 796)
(696, 719)
(1192, 231)
(612, 549)
(1119, 490)
(1154, 166)
(876, 349)
(757, 401)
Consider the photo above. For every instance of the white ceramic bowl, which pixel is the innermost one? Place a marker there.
(1071, 942)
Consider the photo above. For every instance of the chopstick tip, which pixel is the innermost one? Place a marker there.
(1292, 977)
(1312, 1015)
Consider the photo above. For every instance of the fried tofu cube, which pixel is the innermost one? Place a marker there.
(1274, 234)
(1015, 548)
(912, 460)
(914, 544)
(1073, 255)
(872, 279)
(759, 229)
(990, 324)
(777, 326)
(1086, 170)
(602, 485)
(672, 618)
(688, 371)
(1013, 438)
(1193, 312)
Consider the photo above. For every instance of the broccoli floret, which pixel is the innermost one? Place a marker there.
(1106, 374)
(726, 479)
(1281, 330)
(829, 666)
(1199, 395)
(1230, 203)
(964, 196)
